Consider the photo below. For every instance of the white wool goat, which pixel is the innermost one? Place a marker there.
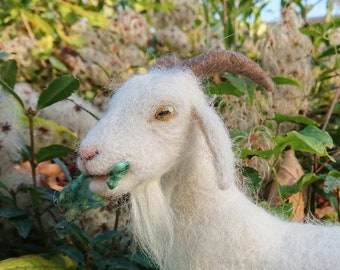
(187, 211)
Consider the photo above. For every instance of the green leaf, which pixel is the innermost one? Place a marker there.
(62, 165)
(280, 118)
(18, 218)
(330, 52)
(3, 185)
(285, 81)
(12, 212)
(59, 89)
(45, 193)
(332, 181)
(22, 224)
(37, 262)
(253, 179)
(57, 64)
(39, 22)
(72, 252)
(8, 73)
(223, 88)
(105, 236)
(93, 17)
(311, 140)
(245, 85)
(79, 237)
(6, 200)
(77, 198)
(315, 29)
(141, 259)
(53, 151)
(239, 83)
(284, 211)
(305, 180)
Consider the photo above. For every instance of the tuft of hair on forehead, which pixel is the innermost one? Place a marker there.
(166, 61)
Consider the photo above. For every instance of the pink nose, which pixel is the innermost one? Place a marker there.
(87, 153)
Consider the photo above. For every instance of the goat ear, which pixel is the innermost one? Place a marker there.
(219, 143)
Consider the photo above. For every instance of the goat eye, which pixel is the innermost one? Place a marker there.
(165, 113)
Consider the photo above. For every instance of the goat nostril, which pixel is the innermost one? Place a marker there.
(88, 153)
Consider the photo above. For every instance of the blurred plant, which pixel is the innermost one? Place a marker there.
(240, 20)
(40, 219)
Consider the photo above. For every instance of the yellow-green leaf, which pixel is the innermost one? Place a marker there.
(37, 262)
(38, 22)
(284, 80)
(94, 18)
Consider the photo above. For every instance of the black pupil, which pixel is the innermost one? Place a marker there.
(162, 113)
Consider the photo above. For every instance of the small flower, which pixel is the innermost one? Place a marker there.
(5, 127)
(43, 130)
(77, 108)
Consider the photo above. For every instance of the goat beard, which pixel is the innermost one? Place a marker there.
(152, 220)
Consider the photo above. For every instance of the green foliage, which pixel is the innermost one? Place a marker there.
(231, 15)
(223, 88)
(52, 151)
(309, 140)
(299, 119)
(36, 262)
(306, 179)
(76, 198)
(61, 88)
(8, 73)
(253, 180)
(332, 181)
(18, 218)
(284, 211)
(99, 250)
(285, 80)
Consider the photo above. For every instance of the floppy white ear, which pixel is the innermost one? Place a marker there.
(219, 143)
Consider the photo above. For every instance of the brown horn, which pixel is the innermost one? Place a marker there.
(217, 62)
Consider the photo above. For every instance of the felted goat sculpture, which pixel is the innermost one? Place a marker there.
(162, 143)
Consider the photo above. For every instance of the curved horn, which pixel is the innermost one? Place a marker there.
(217, 62)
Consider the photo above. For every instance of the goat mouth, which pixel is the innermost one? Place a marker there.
(114, 176)
(99, 177)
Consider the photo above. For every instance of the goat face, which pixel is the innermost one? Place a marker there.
(146, 126)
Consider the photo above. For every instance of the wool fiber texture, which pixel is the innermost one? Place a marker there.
(187, 210)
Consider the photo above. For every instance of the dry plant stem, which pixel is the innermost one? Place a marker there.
(27, 26)
(117, 219)
(331, 108)
(30, 115)
(87, 260)
(338, 196)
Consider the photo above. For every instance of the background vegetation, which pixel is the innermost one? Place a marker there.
(287, 142)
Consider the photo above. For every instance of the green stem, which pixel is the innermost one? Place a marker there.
(276, 178)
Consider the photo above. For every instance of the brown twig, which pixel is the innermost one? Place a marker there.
(30, 115)
(331, 108)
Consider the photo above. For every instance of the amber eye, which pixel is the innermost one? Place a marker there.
(165, 113)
